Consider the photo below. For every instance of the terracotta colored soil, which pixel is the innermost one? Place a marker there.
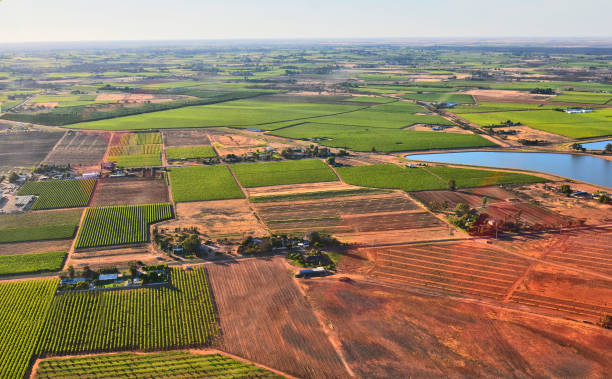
(264, 317)
(34, 247)
(387, 333)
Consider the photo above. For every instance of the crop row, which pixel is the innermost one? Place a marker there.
(23, 308)
(174, 316)
(116, 225)
(59, 193)
(170, 364)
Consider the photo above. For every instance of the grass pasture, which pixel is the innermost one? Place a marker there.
(430, 178)
(382, 139)
(178, 364)
(164, 317)
(484, 107)
(440, 97)
(121, 224)
(29, 263)
(59, 193)
(22, 315)
(583, 97)
(190, 152)
(37, 226)
(200, 183)
(284, 172)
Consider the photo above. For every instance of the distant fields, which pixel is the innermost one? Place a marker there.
(42, 225)
(429, 178)
(122, 224)
(583, 97)
(584, 125)
(164, 317)
(285, 172)
(179, 364)
(190, 152)
(382, 139)
(59, 193)
(240, 113)
(501, 107)
(24, 307)
(203, 183)
(440, 97)
(27, 263)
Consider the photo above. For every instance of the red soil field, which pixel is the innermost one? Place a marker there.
(462, 268)
(265, 318)
(386, 332)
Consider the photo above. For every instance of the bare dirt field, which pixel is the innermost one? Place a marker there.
(350, 217)
(231, 219)
(299, 188)
(125, 191)
(507, 96)
(79, 149)
(571, 294)
(188, 137)
(525, 132)
(385, 332)
(427, 128)
(34, 247)
(25, 149)
(119, 258)
(265, 318)
(462, 268)
(132, 98)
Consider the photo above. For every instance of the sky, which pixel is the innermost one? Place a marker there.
(136, 20)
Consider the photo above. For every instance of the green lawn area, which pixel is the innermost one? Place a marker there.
(285, 172)
(190, 152)
(27, 263)
(581, 125)
(429, 178)
(359, 138)
(239, 113)
(40, 225)
(200, 183)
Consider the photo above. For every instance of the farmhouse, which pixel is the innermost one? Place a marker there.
(578, 110)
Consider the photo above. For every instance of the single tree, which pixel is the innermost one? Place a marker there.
(452, 185)
(13, 177)
(566, 190)
(71, 272)
(608, 149)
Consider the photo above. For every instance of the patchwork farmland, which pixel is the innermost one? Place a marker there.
(79, 149)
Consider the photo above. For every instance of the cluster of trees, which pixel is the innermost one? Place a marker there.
(188, 238)
(543, 91)
(252, 246)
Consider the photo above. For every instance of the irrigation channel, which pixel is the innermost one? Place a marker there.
(579, 167)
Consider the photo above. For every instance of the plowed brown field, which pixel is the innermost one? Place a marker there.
(79, 149)
(264, 317)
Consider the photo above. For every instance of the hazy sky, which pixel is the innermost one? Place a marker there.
(85, 20)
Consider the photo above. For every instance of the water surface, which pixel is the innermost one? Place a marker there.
(600, 145)
(579, 167)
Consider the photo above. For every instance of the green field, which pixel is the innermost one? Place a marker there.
(190, 152)
(28, 263)
(583, 97)
(118, 225)
(23, 308)
(359, 138)
(136, 150)
(440, 97)
(36, 226)
(285, 172)
(500, 107)
(582, 125)
(395, 115)
(179, 364)
(429, 178)
(200, 183)
(59, 193)
(164, 317)
(239, 113)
